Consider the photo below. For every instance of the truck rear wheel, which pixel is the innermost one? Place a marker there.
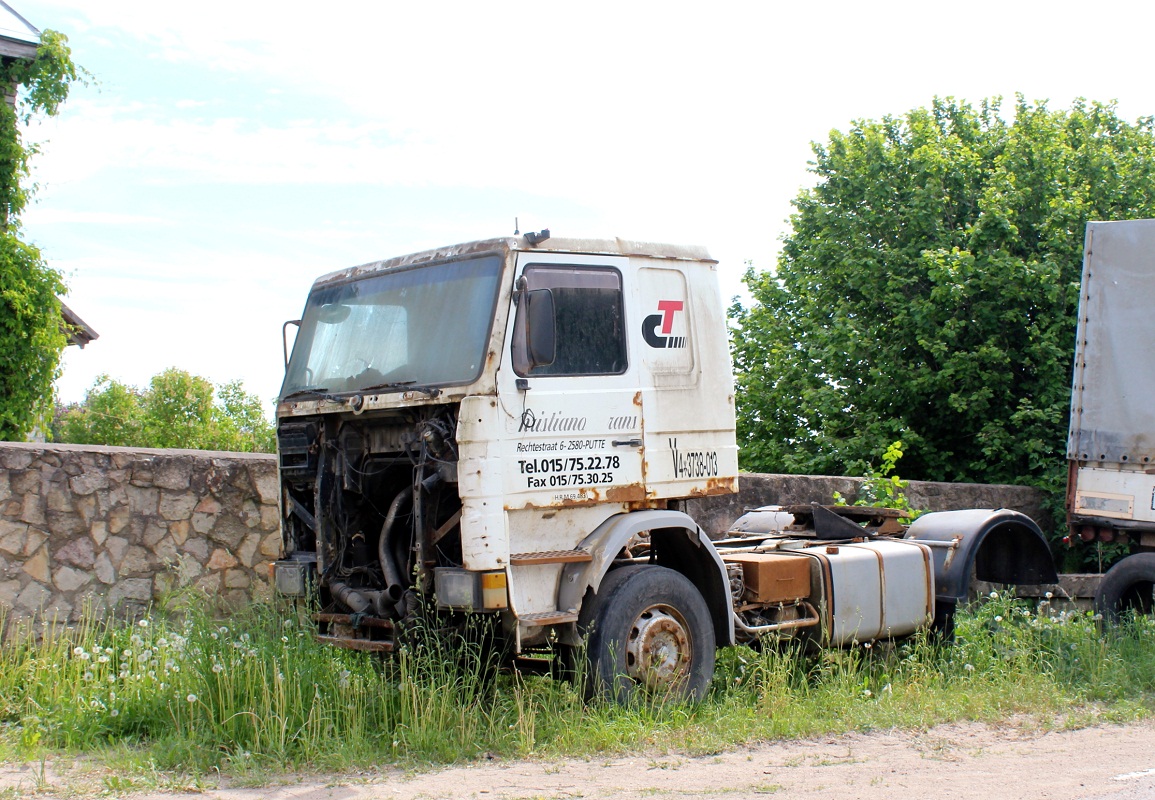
(1127, 586)
(649, 633)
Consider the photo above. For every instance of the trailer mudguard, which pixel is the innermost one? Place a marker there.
(676, 542)
(995, 545)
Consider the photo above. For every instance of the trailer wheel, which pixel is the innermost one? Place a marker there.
(1127, 586)
(649, 632)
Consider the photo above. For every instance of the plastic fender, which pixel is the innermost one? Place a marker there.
(678, 543)
(996, 545)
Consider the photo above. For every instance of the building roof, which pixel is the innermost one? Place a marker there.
(18, 37)
(77, 330)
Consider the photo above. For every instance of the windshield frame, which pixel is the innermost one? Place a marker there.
(309, 326)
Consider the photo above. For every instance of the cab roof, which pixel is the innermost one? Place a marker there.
(611, 247)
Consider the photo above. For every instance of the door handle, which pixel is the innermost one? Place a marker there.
(627, 443)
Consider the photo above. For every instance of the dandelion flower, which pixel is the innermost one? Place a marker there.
(192, 698)
(969, 667)
(78, 651)
(143, 623)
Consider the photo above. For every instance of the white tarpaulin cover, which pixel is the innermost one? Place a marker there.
(1113, 394)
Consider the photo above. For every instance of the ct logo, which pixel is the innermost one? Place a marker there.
(665, 320)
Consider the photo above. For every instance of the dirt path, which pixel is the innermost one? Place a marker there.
(962, 762)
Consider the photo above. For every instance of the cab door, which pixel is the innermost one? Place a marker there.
(573, 426)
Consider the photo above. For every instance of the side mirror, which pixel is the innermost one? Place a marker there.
(540, 328)
(285, 338)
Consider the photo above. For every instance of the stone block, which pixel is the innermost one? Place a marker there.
(65, 524)
(33, 597)
(98, 530)
(237, 579)
(136, 561)
(222, 559)
(105, 572)
(5, 487)
(59, 497)
(88, 482)
(32, 509)
(9, 591)
(228, 531)
(247, 552)
(250, 513)
(176, 506)
(210, 584)
(154, 531)
(143, 501)
(179, 531)
(118, 519)
(33, 539)
(141, 474)
(270, 518)
(172, 473)
(115, 547)
(68, 579)
(58, 611)
(37, 566)
(188, 569)
(25, 482)
(264, 478)
(165, 550)
(208, 505)
(15, 460)
(78, 552)
(12, 536)
(139, 589)
(271, 545)
(202, 523)
(197, 548)
(85, 508)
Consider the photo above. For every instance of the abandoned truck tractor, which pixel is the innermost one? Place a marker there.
(506, 431)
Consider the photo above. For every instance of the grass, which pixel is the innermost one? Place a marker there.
(170, 702)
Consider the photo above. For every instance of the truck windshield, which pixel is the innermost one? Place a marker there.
(423, 326)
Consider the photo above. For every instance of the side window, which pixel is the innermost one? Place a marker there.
(588, 321)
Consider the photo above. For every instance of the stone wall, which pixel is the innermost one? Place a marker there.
(118, 528)
(715, 514)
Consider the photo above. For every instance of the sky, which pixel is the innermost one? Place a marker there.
(224, 155)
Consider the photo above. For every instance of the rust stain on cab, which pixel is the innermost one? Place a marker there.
(716, 486)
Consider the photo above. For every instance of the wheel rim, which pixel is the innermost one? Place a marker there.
(659, 649)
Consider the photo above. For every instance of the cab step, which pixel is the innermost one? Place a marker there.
(548, 617)
(550, 557)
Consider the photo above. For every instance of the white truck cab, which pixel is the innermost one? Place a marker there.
(510, 427)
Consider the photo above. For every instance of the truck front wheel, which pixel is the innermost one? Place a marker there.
(649, 632)
(1127, 586)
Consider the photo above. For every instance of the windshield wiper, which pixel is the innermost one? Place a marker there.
(316, 392)
(409, 385)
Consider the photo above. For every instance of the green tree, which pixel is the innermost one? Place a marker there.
(177, 410)
(928, 288)
(31, 339)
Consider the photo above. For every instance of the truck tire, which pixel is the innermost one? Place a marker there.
(1127, 586)
(648, 633)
